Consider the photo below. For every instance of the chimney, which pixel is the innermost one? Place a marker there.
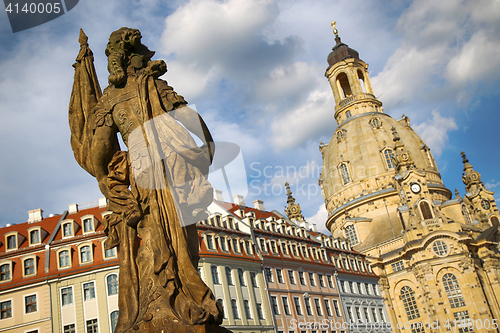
(218, 195)
(103, 203)
(35, 215)
(259, 204)
(239, 200)
(73, 208)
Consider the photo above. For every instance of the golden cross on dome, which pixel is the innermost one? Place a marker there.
(334, 29)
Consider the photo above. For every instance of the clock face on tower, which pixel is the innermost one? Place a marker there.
(294, 209)
(415, 188)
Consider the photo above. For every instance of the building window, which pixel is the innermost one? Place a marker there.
(327, 307)
(301, 279)
(247, 309)
(463, 321)
(236, 247)
(466, 214)
(296, 302)
(337, 309)
(241, 277)
(5, 309)
(247, 247)
(260, 313)
(269, 274)
(409, 303)
(351, 287)
(318, 307)
(112, 283)
(215, 275)
(210, 242)
(291, 278)
(67, 296)
(11, 242)
(349, 313)
(253, 279)
(30, 304)
(330, 281)
(453, 291)
(340, 135)
(321, 281)
(440, 248)
(34, 237)
(374, 315)
(348, 114)
(221, 302)
(113, 318)
(344, 172)
(311, 280)
(360, 290)
(88, 225)
(307, 302)
(67, 229)
(110, 253)
(494, 220)
(381, 314)
(229, 278)
(398, 266)
(69, 328)
(88, 291)
(279, 274)
(262, 245)
(64, 259)
(274, 305)
(389, 158)
(286, 308)
(351, 235)
(426, 210)
(85, 254)
(5, 272)
(92, 326)
(375, 122)
(367, 288)
(367, 318)
(234, 307)
(29, 267)
(223, 244)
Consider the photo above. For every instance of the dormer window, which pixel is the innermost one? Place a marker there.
(210, 242)
(34, 237)
(248, 247)
(88, 225)
(11, 242)
(85, 254)
(236, 247)
(67, 229)
(64, 259)
(426, 211)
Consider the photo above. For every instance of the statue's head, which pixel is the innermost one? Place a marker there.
(125, 50)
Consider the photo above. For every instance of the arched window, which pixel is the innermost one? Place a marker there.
(64, 259)
(114, 319)
(29, 266)
(241, 277)
(409, 303)
(215, 275)
(362, 81)
(344, 86)
(340, 136)
(351, 235)
(375, 122)
(228, 276)
(466, 214)
(221, 302)
(234, 307)
(389, 158)
(247, 309)
(85, 254)
(345, 173)
(112, 282)
(494, 220)
(426, 210)
(453, 291)
(348, 114)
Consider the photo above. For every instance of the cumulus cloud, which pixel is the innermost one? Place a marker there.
(320, 219)
(435, 131)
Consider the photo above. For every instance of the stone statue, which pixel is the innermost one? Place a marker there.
(156, 190)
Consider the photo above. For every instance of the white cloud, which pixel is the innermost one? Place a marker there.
(435, 131)
(294, 127)
(490, 185)
(320, 219)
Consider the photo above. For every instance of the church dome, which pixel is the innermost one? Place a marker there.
(340, 52)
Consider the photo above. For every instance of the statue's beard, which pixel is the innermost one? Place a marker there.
(117, 74)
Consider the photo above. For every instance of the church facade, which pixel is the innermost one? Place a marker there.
(436, 253)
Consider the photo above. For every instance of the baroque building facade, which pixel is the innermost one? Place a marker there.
(271, 272)
(436, 254)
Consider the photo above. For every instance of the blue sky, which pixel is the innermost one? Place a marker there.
(255, 71)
